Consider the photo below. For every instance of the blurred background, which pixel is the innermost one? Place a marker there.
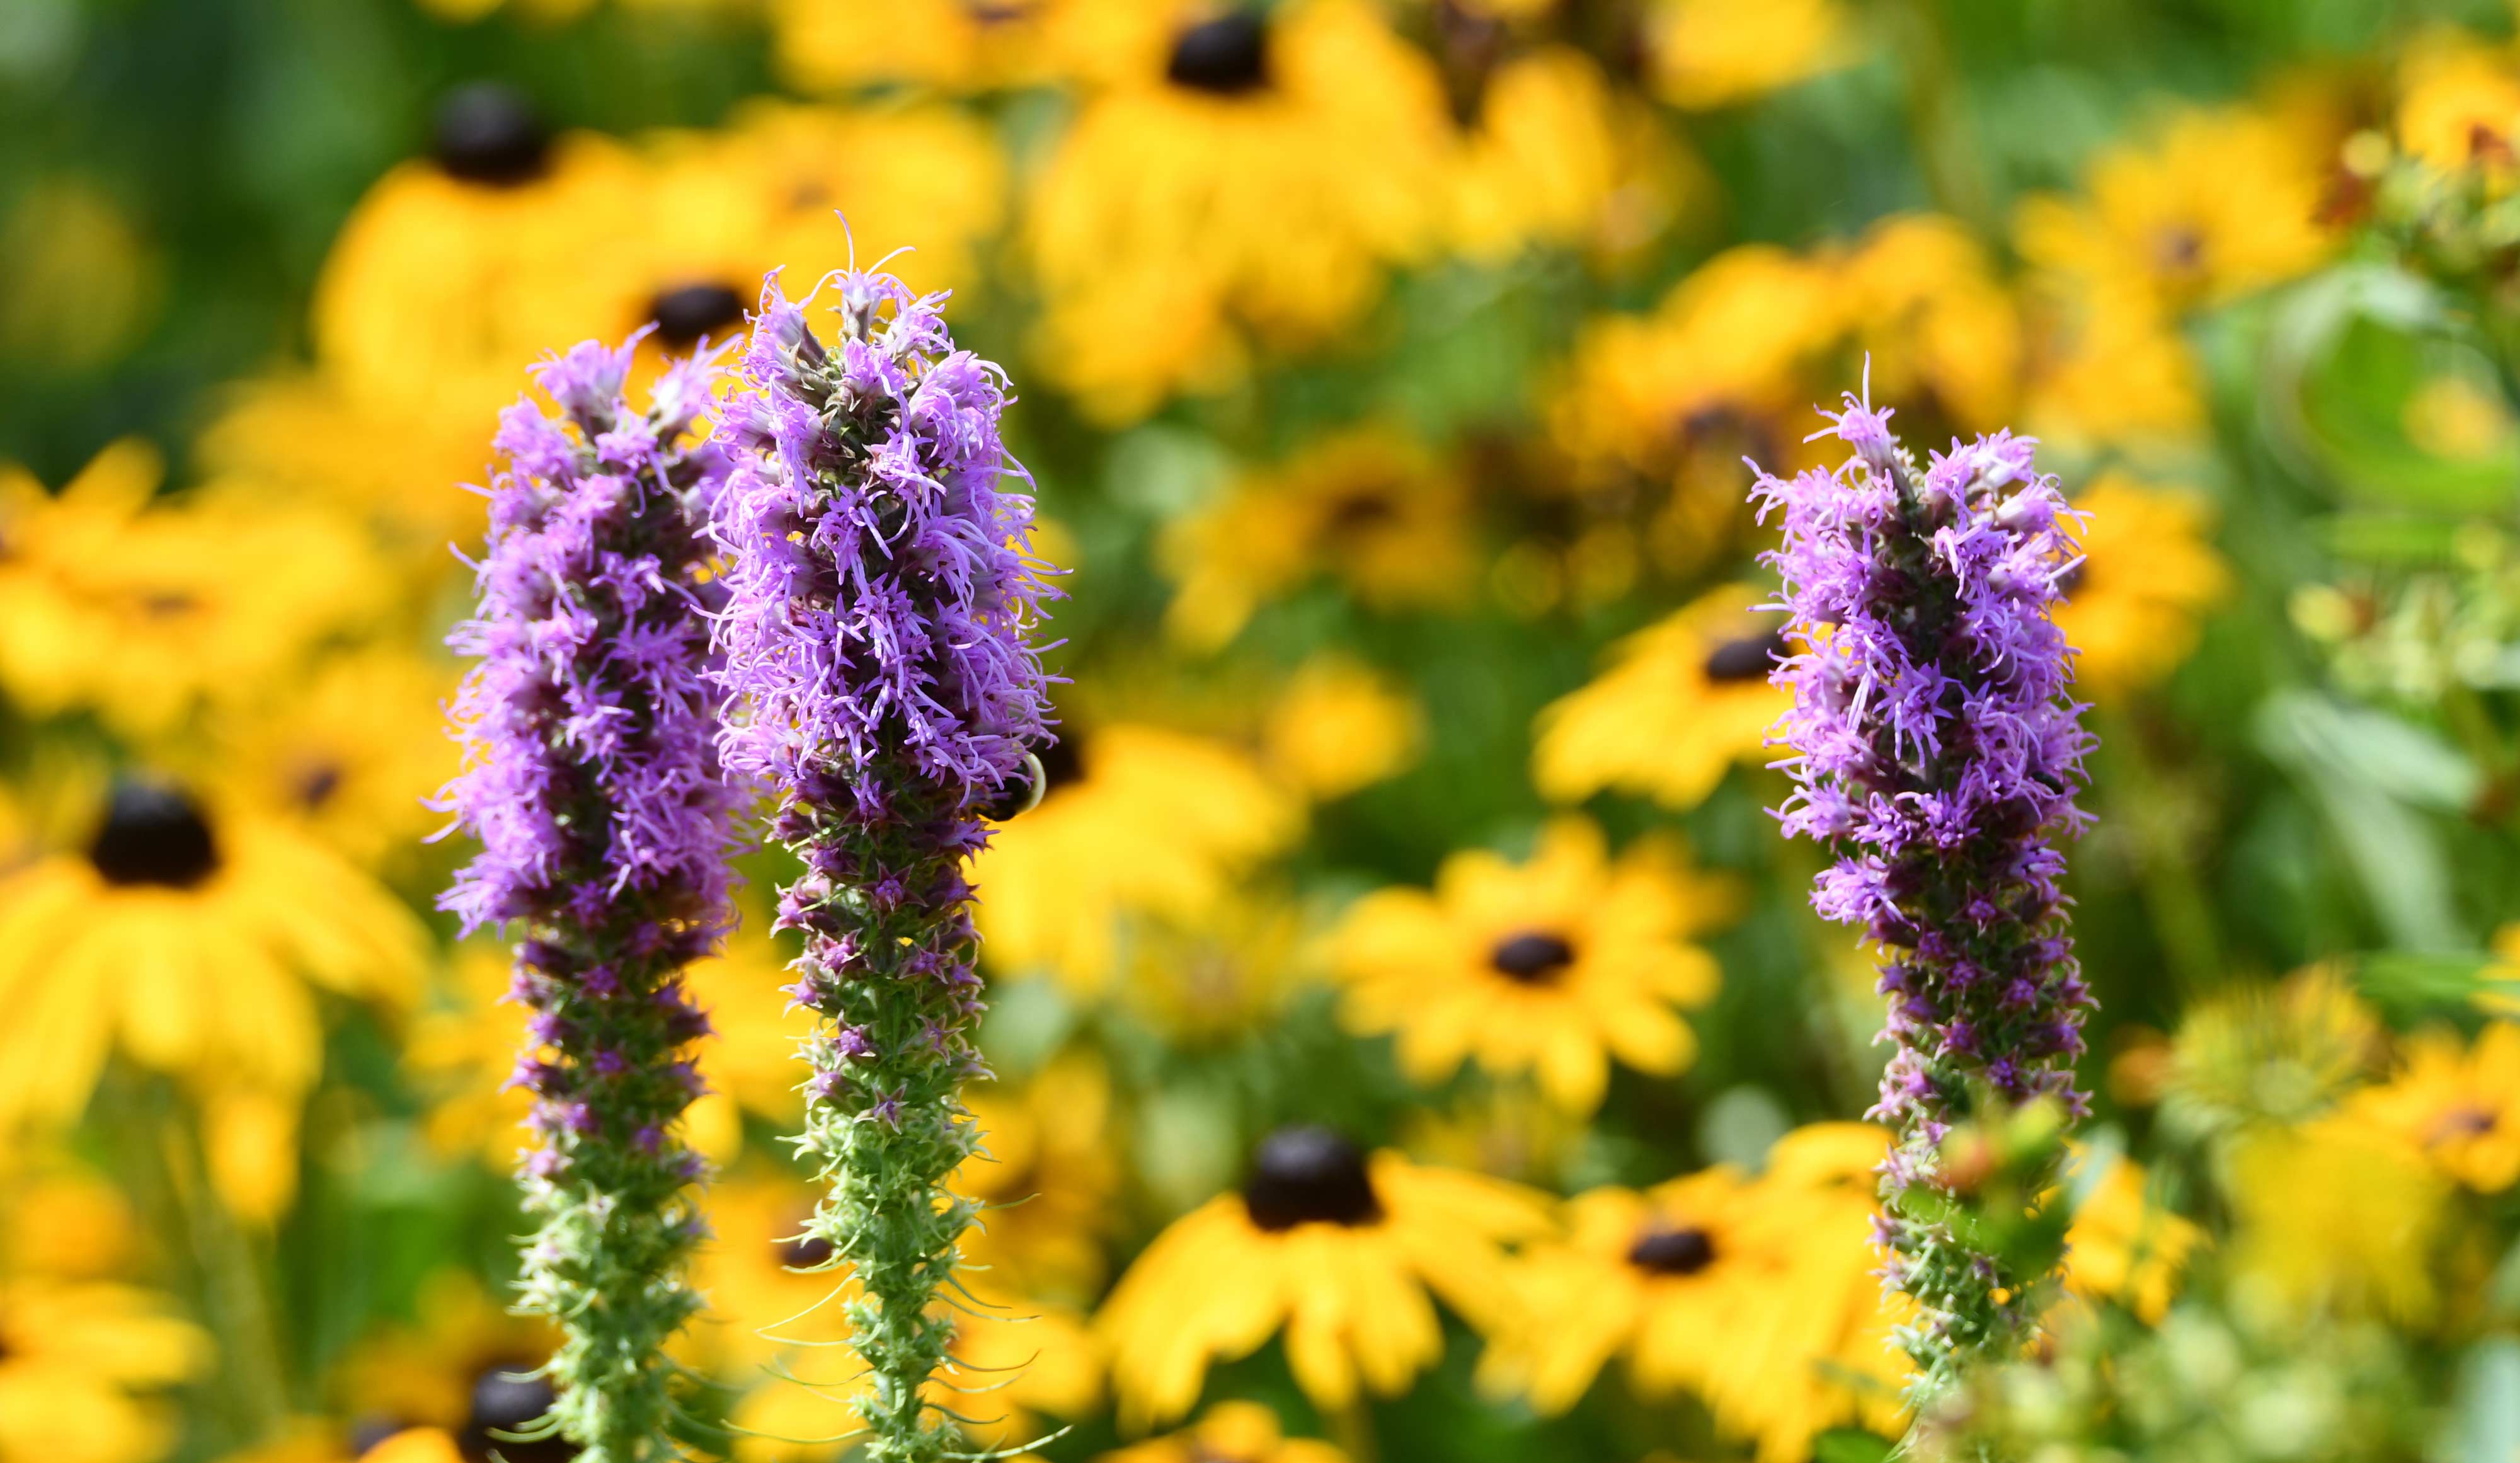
(1387, 372)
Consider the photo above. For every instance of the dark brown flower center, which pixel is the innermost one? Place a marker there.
(2464, 1123)
(315, 783)
(2073, 578)
(1227, 56)
(154, 835)
(488, 133)
(686, 314)
(2179, 249)
(509, 1399)
(1309, 1175)
(1665, 1250)
(803, 1252)
(1535, 957)
(1748, 659)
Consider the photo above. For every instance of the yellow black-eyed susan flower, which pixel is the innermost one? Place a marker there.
(2134, 604)
(1755, 1295)
(1551, 967)
(1722, 361)
(1933, 324)
(1222, 974)
(1335, 1248)
(1654, 1275)
(351, 753)
(192, 939)
(1338, 726)
(83, 1367)
(1704, 54)
(1367, 507)
(2336, 1215)
(776, 1303)
(456, 270)
(1231, 1433)
(2217, 202)
(2455, 1102)
(1239, 190)
(141, 613)
(465, 1042)
(460, 1367)
(1044, 1177)
(1681, 702)
(1136, 820)
(2124, 1246)
(2279, 1053)
(2458, 96)
(307, 437)
(948, 45)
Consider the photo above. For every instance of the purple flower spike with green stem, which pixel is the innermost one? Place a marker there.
(878, 652)
(592, 780)
(1937, 750)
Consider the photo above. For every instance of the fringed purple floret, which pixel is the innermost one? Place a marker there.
(877, 640)
(1937, 750)
(592, 782)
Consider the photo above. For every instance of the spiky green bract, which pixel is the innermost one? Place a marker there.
(593, 784)
(876, 636)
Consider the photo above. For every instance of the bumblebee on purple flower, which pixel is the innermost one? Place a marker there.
(1937, 750)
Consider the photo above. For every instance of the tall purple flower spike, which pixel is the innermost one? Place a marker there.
(1937, 750)
(877, 642)
(592, 780)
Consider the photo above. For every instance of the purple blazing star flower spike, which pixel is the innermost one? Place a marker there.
(1937, 750)
(877, 639)
(592, 780)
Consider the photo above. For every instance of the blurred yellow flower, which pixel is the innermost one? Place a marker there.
(440, 289)
(1713, 53)
(1934, 324)
(773, 1306)
(2108, 365)
(65, 1222)
(1230, 1433)
(463, 1045)
(2149, 573)
(1221, 973)
(2261, 1053)
(432, 1373)
(187, 938)
(1335, 1248)
(1044, 1177)
(2122, 1246)
(954, 45)
(348, 753)
(142, 612)
(2457, 1103)
(1730, 344)
(307, 438)
(1339, 726)
(1159, 823)
(1367, 507)
(1683, 701)
(2335, 1214)
(2458, 96)
(1543, 160)
(1757, 1295)
(731, 204)
(79, 1367)
(2217, 202)
(1550, 967)
(1243, 192)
